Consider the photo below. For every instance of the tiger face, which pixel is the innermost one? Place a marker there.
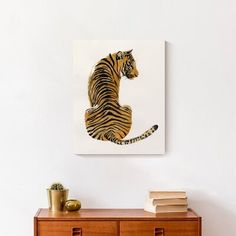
(129, 65)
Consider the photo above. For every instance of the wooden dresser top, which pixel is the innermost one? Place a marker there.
(113, 214)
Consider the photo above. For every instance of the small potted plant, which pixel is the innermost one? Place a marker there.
(57, 197)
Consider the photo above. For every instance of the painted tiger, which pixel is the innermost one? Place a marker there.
(107, 120)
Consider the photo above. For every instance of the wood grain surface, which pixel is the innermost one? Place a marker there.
(117, 214)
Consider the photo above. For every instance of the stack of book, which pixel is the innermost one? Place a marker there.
(166, 201)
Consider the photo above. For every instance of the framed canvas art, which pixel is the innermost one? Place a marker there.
(119, 97)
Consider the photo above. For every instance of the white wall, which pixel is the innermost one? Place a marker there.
(36, 107)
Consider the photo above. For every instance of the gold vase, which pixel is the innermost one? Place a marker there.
(57, 199)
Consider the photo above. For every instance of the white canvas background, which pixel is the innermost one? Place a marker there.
(145, 94)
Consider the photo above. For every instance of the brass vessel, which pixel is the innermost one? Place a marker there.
(72, 205)
(57, 199)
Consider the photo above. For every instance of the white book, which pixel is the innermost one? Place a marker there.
(167, 201)
(167, 194)
(165, 208)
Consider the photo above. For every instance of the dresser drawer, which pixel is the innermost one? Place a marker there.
(77, 228)
(159, 228)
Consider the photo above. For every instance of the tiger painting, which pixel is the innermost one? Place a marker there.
(107, 120)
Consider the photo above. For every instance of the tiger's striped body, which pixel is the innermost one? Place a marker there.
(107, 120)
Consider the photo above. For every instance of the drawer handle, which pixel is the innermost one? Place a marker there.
(159, 232)
(76, 232)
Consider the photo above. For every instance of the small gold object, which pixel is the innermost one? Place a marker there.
(57, 199)
(73, 205)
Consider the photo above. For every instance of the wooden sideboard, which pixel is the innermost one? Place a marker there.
(116, 222)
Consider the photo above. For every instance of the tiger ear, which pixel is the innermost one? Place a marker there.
(119, 55)
(128, 52)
